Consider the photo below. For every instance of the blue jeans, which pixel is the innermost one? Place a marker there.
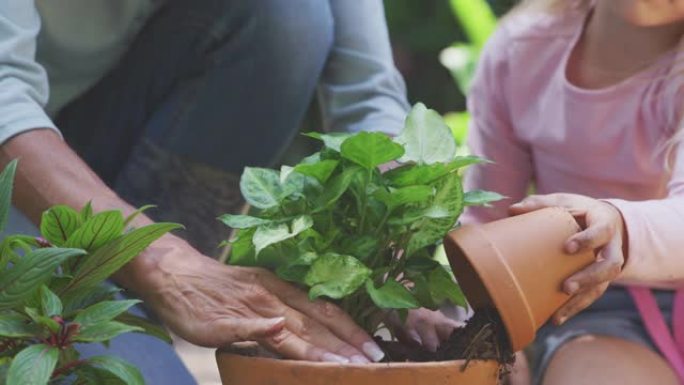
(196, 83)
(222, 82)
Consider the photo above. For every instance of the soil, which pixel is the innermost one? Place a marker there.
(483, 338)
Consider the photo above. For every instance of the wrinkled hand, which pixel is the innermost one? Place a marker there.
(423, 328)
(213, 305)
(604, 233)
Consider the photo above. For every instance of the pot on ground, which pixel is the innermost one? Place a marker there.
(243, 366)
(517, 265)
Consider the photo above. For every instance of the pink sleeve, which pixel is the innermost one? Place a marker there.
(491, 136)
(655, 231)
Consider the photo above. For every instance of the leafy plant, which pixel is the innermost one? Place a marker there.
(339, 227)
(53, 294)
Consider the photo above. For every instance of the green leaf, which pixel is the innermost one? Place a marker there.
(98, 230)
(429, 231)
(421, 290)
(425, 174)
(150, 328)
(104, 331)
(242, 221)
(371, 149)
(336, 276)
(261, 187)
(103, 311)
(81, 299)
(34, 269)
(464, 161)
(419, 264)
(333, 140)
(33, 365)
(58, 223)
(270, 234)
(391, 295)
(14, 325)
(109, 258)
(320, 170)
(242, 251)
(444, 288)
(295, 271)
(137, 212)
(88, 375)
(359, 246)
(426, 137)
(336, 187)
(481, 198)
(405, 195)
(128, 373)
(86, 212)
(50, 303)
(42, 320)
(6, 186)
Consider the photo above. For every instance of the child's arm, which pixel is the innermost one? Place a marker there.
(654, 236)
(491, 135)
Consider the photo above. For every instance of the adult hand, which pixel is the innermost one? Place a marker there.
(604, 233)
(213, 305)
(423, 327)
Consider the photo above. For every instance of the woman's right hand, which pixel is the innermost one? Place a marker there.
(211, 304)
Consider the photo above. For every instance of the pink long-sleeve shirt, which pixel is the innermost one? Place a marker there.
(607, 143)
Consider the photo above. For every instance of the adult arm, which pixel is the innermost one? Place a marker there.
(203, 301)
(360, 88)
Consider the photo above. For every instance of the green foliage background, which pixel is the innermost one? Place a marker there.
(419, 30)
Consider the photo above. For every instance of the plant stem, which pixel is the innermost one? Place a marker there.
(67, 367)
(364, 199)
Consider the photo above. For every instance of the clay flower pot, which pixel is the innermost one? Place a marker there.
(239, 368)
(517, 265)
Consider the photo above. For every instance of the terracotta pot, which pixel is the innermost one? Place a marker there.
(238, 369)
(518, 266)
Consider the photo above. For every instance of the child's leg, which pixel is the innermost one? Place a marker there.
(605, 344)
(606, 361)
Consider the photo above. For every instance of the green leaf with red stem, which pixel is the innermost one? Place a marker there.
(33, 365)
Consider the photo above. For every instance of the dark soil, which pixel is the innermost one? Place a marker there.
(483, 338)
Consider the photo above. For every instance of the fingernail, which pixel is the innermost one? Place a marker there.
(330, 357)
(357, 359)
(415, 337)
(277, 321)
(562, 320)
(373, 351)
(572, 247)
(571, 287)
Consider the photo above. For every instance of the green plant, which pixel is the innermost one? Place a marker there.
(339, 227)
(53, 294)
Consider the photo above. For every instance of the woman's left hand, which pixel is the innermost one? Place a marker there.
(604, 233)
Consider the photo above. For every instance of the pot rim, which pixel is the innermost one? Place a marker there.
(316, 364)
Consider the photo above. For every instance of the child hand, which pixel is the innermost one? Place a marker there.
(604, 232)
(423, 327)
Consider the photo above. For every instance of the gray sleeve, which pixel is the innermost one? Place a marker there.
(360, 88)
(23, 82)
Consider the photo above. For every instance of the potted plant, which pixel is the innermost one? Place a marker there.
(54, 294)
(337, 226)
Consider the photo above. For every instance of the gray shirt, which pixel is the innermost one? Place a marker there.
(61, 48)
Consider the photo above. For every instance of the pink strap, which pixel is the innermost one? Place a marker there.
(678, 320)
(671, 348)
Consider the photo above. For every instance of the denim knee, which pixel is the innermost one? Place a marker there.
(295, 31)
(260, 63)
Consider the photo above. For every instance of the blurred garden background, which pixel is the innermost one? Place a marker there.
(421, 32)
